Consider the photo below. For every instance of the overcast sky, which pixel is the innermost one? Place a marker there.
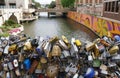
(44, 1)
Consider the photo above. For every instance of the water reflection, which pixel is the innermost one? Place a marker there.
(58, 26)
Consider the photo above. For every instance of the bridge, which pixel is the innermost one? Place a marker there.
(52, 10)
(58, 12)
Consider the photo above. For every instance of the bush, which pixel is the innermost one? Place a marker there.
(9, 23)
(5, 34)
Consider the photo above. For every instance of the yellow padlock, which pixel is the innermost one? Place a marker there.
(78, 43)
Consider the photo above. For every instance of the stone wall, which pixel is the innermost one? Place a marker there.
(6, 13)
(99, 25)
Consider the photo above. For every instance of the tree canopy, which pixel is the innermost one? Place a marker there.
(37, 4)
(67, 3)
(52, 4)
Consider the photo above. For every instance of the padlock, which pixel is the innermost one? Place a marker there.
(53, 39)
(1, 51)
(43, 60)
(12, 47)
(66, 53)
(27, 76)
(47, 48)
(96, 63)
(78, 43)
(10, 66)
(104, 43)
(52, 71)
(72, 40)
(39, 50)
(56, 51)
(27, 45)
(99, 49)
(6, 49)
(73, 49)
(33, 67)
(62, 44)
(1, 67)
(15, 63)
(90, 58)
(17, 72)
(65, 39)
(8, 75)
(34, 42)
(27, 64)
(89, 46)
(103, 67)
(90, 73)
(21, 57)
(73, 69)
(5, 67)
(4, 42)
(117, 38)
(114, 49)
(105, 72)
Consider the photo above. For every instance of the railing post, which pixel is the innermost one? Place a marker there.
(48, 14)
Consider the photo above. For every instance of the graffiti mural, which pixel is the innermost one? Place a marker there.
(99, 25)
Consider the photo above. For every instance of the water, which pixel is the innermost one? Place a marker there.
(58, 26)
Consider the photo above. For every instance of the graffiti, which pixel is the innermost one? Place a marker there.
(102, 27)
(99, 25)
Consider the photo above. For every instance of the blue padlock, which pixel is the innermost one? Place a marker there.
(90, 73)
(117, 38)
(27, 64)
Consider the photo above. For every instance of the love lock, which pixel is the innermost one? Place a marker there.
(56, 51)
(52, 71)
(71, 68)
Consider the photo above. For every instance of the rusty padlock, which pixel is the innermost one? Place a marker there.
(33, 67)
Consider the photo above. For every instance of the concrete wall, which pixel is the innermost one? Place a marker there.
(99, 25)
(6, 13)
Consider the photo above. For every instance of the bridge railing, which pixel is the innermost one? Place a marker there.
(52, 10)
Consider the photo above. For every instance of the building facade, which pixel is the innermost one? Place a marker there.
(24, 4)
(93, 7)
(112, 9)
(21, 9)
(58, 4)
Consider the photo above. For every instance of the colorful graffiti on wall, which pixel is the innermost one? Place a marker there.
(99, 25)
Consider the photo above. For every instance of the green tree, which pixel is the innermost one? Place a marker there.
(52, 4)
(68, 3)
(37, 4)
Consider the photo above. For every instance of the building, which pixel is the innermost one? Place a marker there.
(58, 4)
(93, 7)
(24, 4)
(112, 9)
(21, 9)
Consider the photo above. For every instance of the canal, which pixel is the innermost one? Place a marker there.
(57, 27)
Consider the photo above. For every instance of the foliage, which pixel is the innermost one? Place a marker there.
(5, 34)
(37, 4)
(7, 26)
(9, 23)
(52, 4)
(68, 3)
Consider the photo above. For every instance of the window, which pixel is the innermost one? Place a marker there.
(116, 7)
(106, 6)
(2, 6)
(12, 5)
(100, 1)
(86, 1)
(111, 6)
(90, 1)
